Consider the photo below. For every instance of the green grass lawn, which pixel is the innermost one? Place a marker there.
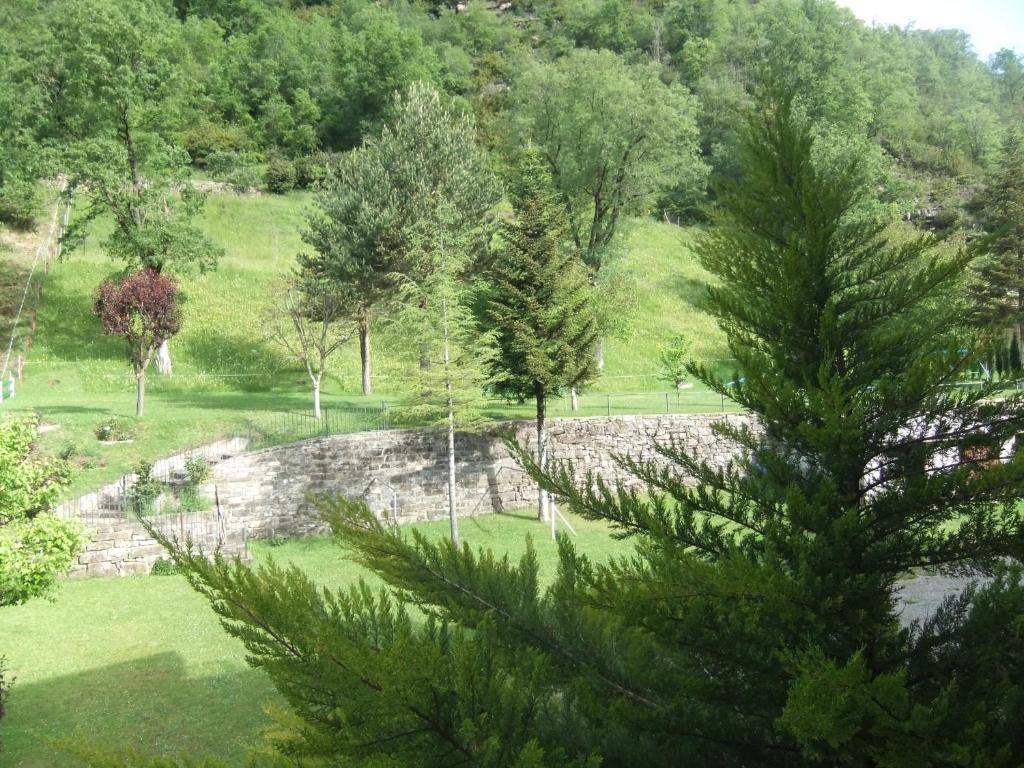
(143, 662)
(225, 371)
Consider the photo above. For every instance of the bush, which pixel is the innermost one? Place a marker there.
(20, 203)
(145, 490)
(114, 430)
(280, 175)
(311, 170)
(193, 500)
(239, 169)
(36, 546)
(164, 567)
(198, 470)
(35, 553)
(204, 138)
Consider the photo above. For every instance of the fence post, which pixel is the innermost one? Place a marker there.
(723, 403)
(608, 402)
(666, 403)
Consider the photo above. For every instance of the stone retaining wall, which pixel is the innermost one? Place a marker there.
(123, 547)
(402, 474)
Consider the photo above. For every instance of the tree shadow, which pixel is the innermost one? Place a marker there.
(690, 290)
(12, 285)
(67, 328)
(151, 704)
(238, 359)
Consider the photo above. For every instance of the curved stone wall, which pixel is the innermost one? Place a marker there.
(401, 473)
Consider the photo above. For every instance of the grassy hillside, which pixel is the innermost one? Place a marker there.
(225, 371)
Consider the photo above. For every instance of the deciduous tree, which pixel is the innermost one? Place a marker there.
(365, 223)
(309, 320)
(437, 312)
(121, 101)
(143, 310)
(613, 137)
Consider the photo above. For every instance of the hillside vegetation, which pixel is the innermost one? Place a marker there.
(226, 371)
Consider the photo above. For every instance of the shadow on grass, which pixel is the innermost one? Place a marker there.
(690, 290)
(67, 328)
(67, 410)
(242, 360)
(150, 704)
(12, 285)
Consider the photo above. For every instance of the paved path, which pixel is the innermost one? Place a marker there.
(920, 597)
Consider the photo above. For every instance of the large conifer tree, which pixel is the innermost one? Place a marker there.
(541, 306)
(756, 621)
(998, 287)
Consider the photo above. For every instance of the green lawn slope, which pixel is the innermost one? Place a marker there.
(225, 371)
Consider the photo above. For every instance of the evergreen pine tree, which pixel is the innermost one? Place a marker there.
(998, 284)
(755, 623)
(541, 306)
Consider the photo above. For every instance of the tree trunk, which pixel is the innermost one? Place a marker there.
(450, 398)
(140, 393)
(1020, 348)
(452, 510)
(316, 397)
(163, 358)
(424, 347)
(364, 352)
(574, 399)
(599, 354)
(542, 452)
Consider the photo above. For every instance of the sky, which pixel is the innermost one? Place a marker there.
(992, 24)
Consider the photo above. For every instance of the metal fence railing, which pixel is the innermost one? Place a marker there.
(290, 426)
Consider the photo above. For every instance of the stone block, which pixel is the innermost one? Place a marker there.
(101, 569)
(147, 550)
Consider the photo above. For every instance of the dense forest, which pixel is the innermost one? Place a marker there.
(265, 91)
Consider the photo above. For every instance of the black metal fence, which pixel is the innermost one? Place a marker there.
(288, 426)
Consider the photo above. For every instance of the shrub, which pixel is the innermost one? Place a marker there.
(220, 165)
(198, 470)
(239, 169)
(280, 175)
(164, 567)
(145, 490)
(193, 500)
(311, 170)
(20, 203)
(204, 138)
(113, 430)
(35, 553)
